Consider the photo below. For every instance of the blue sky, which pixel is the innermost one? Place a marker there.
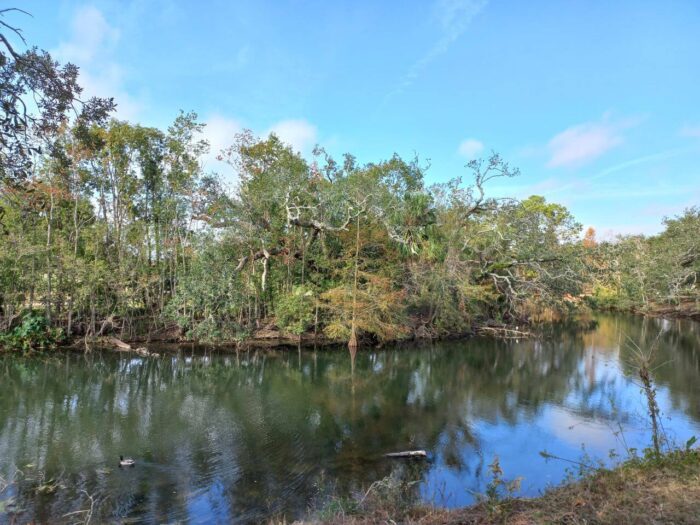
(597, 102)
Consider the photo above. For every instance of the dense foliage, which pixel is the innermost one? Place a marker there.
(112, 227)
(122, 232)
(649, 272)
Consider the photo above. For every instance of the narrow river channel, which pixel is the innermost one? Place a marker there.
(225, 437)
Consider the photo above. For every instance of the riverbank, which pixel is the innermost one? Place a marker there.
(639, 491)
(684, 310)
(273, 339)
(688, 309)
(32, 333)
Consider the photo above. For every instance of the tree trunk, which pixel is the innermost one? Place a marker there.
(76, 233)
(48, 258)
(352, 344)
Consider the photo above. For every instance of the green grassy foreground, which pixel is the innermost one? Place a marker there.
(639, 491)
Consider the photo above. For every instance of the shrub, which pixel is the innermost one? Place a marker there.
(33, 333)
(295, 312)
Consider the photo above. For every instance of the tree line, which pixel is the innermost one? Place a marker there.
(110, 227)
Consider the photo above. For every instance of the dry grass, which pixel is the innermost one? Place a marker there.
(652, 491)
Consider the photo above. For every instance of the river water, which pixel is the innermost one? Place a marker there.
(221, 437)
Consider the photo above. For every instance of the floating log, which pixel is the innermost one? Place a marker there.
(145, 352)
(503, 332)
(407, 454)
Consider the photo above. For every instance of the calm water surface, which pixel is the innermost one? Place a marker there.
(220, 437)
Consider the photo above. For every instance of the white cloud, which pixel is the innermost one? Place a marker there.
(90, 47)
(298, 133)
(611, 233)
(220, 131)
(470, 148)
(90, 34)
(584, 143)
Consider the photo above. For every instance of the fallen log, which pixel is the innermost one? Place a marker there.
(118, 343)
(121, 346)
(407, 454)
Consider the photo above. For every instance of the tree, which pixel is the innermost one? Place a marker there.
(589, 240)
(646, 272)
(37, 97)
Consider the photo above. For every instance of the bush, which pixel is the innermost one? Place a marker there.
(295, 312)
(604, 297)
(33, 333)
(212, 330)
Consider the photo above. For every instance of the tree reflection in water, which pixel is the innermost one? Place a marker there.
(239, 437)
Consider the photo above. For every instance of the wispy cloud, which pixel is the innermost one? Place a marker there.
(669, 210)
(90, 47)
(621, 166)
(470, 148)
(645, 159)
(619, 192)
(583, 143)
(238, 61)
(609, 188)
(453, 17)
(690, 131)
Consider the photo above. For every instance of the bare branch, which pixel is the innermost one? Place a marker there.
(294, 217)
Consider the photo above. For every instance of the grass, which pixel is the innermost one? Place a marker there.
(652, 490)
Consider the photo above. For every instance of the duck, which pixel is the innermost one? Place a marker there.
(126, 462)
